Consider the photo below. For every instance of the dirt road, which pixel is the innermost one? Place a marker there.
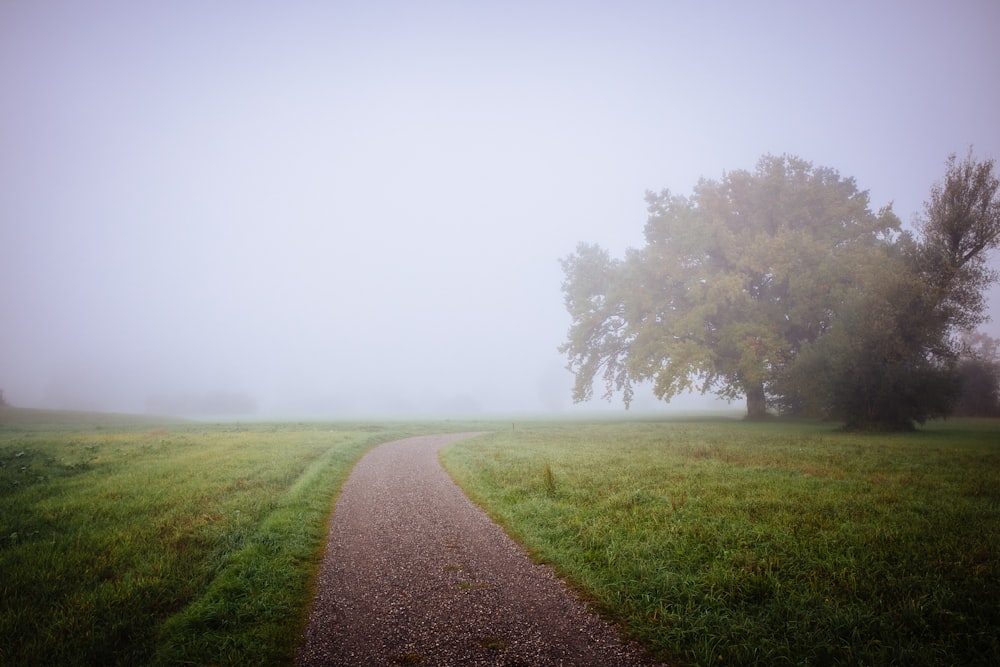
(416, 574)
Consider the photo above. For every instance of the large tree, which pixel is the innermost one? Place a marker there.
(890, 359)
(732, 281)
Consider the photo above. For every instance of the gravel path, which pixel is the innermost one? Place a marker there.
(415, 574)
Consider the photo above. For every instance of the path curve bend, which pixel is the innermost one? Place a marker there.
(415, 573)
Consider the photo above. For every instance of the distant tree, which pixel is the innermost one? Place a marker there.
(731, 283)
(890, 358)
(979, 373)
(3, 401)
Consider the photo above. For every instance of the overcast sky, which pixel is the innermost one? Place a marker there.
(338, 208)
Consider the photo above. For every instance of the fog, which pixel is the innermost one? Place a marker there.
(342, 209)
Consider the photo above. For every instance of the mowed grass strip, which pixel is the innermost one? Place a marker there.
(175, 544)
(734, 543)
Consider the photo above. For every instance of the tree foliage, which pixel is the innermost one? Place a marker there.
(979, 372)
(961, 223)
(881, 364)
(890, 359)
(595, 295)
(782, 286)
(732, 281)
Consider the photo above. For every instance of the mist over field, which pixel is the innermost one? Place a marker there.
(341, 209)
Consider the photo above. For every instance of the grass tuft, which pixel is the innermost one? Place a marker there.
(550, 480)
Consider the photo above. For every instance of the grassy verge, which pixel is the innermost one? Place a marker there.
(734, 543)
(126, 542)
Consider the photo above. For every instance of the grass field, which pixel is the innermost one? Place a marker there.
(128, 542)
(770, 544)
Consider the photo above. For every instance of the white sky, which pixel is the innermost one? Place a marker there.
(346, 207)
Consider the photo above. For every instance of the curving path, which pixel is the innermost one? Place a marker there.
(415, 573)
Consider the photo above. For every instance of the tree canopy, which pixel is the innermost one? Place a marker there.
(890, 359)
(782, 286)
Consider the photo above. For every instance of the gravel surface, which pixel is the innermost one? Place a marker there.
(416, 574)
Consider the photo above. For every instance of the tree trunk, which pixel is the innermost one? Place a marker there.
(756, 402)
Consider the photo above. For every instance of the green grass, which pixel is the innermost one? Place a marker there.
(773, 544)
(124, 541)
(130, 541)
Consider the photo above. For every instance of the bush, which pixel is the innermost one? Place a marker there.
(980, 396)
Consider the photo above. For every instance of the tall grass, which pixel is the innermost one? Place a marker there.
(128, 543)
(734, 543)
